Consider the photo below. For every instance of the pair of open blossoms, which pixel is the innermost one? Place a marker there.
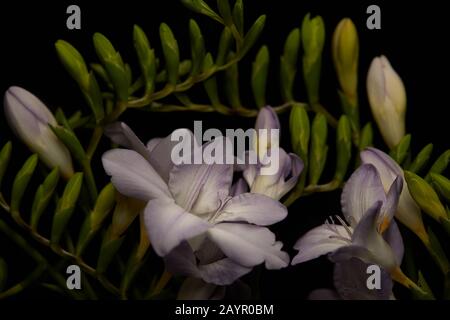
(209, 221)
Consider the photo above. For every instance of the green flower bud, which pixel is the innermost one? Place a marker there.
(73, 62)
(345, 49)
(252, 35)
(21, 182)
(366, 137)
(43, 196)
(197, 47)
(260, 69)
(146, 58)
(425, 196)
(5, 155)
(65, 206)
(421, 159)
(319, 148)
(224, 46)
(171, 52)
(313, 37)
(344, 147)
(399, 152)
(300, 130)
(288, 64)
(441, 184)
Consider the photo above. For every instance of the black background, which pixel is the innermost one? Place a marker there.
(413, 37)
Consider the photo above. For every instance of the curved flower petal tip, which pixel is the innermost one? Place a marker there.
(361, 191)
(320, 241)
(387, 99)
(252, 208)
(267, 119)
(122, 134)
(29, 118)
(249, 245)
(133, 176)
(168, 225)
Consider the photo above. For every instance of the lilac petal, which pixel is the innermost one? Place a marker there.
(200, 188)
(395, 240)
(361, 191)
(222, 272)
(391, 204)
(267, 119)
(168, 225)
(350, 281)
(366, 235)
(181, 261)
(297, 166)
(133, 176)
(252, 208)
(351, 251)
(197, 289)
(239, 187)
(319, 241)
(408, 212)
(122, 134)
(161, 152)
(323, 294)
(152, 143)
(249, 245)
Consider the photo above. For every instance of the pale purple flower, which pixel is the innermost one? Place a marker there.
(289, 165)
(190, 213)
(29, 118)
(368, 231)
(408, 212)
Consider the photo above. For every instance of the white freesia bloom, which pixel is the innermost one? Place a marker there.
(30, 119)
(387, 98)
(192, 219)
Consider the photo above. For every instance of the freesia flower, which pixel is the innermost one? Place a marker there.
(350, 283)
(30, 119)
(408, 212)
(368, 231)
(190, 210)
(387, 99)
(289, 165)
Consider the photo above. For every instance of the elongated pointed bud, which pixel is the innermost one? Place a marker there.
(253, 35)
(171, 52)
(319, 148)
(30, 119)
(344, 147)
(201, 7)
(300, 130)
(313, 38)
(238, 16)
(441, 184)
(114, 66)
(43, 196)
(267, 119)
(288, 64)
(224, 46)
(387, 99)
(440, 164)
(400, 151)
(74, 63)
(146, 58)
(197, 47)
(421, 159)
(103, 205)
(210, 84)
(21, 182)
(259, 76)
(345, 49)
(425, 196)
(366, 138)
(66, 206)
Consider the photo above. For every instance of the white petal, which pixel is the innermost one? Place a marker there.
(249, 245)
(319, 241)
(133, 176)
(168, 225)
(253, 208)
